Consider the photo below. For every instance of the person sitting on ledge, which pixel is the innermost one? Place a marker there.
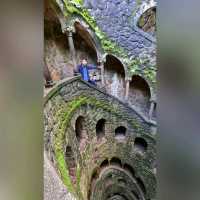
(84, 68)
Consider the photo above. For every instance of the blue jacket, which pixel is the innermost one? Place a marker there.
(84, 71)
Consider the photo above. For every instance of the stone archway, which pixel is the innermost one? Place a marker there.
(81, 132)
(139, 93)
(104, 170)
(100, 129)
(84, 44)
(56, 47)
(85, 48)
(58, 58)
(114, 75)
(120, 132)
(116, 182)
(140, 145)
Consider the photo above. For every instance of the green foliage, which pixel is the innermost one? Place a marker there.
(138, 2)
(78, 2)
(62, 167)
(109, 46)
(78, 178)
(150, 74)
(63, 116)
(142, 68)
(134, 66)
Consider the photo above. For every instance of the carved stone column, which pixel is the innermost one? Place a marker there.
(152, 107)
(127, 89)
(101, 64)
(69, 30)
(47, 75)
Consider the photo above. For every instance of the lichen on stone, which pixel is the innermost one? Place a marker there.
(63, 116)
(109, 46)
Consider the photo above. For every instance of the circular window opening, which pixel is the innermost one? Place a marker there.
(140, 145)
(120, 132)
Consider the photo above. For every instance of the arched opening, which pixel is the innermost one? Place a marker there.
(100, 129)
(71, 164)
(114, 75)
(120, 132)
(117, 196)
(139, 93)
(129, 169)
(147, 21)
(86, 49)
(56, 48)
(116, 162)
(81, 132)
(57, 52)
(95, 176)
(105, 163)
(140, 145)
(141, 184)
(84, 44)
(135, 194)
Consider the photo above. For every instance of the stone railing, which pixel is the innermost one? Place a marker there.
(75, 150)
(67, 81)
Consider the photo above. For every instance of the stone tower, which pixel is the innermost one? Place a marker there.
(100, 141)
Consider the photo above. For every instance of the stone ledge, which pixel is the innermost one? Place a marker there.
(66, 81)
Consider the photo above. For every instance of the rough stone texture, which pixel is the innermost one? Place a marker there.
(58, 59)
(118, 20)
(56, 48)
(114, 76)
(57, 53)
(139, 94)
(53, 186)
(89, 158)
(116, 159)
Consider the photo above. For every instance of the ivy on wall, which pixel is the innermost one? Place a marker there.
(133, 64)
(63, 116)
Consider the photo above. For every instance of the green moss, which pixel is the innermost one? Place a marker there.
(63, 117)
(142, 68)
(63, 170)
(109, 46)
(78, 2)
(73, 7)
(78, 179)
(150, 74)
(134, 67)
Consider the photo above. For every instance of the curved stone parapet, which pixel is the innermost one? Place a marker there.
(90, 135)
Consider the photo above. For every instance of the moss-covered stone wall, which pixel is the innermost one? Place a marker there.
(118, 165)
(73, 98)
(136, 49)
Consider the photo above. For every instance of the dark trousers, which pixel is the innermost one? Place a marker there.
(92, 82)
